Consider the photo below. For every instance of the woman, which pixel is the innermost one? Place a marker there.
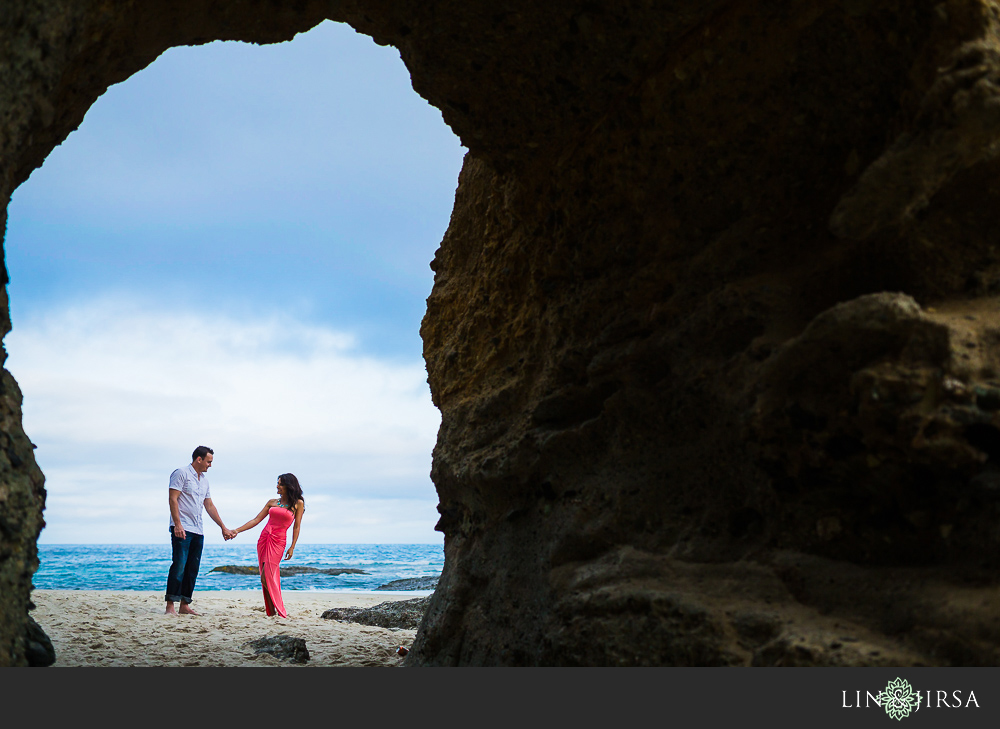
(280, 512)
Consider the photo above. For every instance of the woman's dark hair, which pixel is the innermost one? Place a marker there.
(293, 492)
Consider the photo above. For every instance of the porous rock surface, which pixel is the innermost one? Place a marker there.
(714, 329)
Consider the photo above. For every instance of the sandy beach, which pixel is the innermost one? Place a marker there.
(125, 628)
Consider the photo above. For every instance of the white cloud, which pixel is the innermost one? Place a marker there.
(117, 394)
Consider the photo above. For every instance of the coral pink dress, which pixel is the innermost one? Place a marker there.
(270, 550)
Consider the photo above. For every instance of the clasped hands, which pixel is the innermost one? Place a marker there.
(228, 534)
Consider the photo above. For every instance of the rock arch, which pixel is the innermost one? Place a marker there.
(714, 326)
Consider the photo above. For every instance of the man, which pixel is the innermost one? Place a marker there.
(189, 494)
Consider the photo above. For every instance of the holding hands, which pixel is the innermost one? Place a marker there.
(228, 534)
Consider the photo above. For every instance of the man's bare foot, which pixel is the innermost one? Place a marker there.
(170, 608)
(185, 610)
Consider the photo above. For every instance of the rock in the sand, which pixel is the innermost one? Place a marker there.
(39, 650)
(240, 569)
(428, 582)
(282, 647)
(392, 614)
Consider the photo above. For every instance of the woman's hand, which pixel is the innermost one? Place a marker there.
(288, 554)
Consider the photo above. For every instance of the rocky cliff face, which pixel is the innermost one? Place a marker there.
(715, 327)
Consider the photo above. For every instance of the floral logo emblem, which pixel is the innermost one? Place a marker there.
(899, 699)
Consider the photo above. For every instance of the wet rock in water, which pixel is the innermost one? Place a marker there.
(415, 583)
(392, 614)
(282, 647)
(39, 652)
(239, 569)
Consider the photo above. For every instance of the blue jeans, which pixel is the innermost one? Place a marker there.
(184, 570)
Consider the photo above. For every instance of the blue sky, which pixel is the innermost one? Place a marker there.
(233, 250)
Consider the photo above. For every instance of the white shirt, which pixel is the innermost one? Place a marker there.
(194, 491)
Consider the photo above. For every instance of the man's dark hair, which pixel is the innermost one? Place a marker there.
(201, 452)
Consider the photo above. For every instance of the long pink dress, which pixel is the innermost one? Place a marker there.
(270, 550)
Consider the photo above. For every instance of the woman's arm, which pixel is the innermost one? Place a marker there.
(257, 519)
(299, 508)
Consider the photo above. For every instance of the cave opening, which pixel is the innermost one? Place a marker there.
(233, 250)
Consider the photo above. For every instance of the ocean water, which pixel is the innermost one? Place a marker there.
(145, 566)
